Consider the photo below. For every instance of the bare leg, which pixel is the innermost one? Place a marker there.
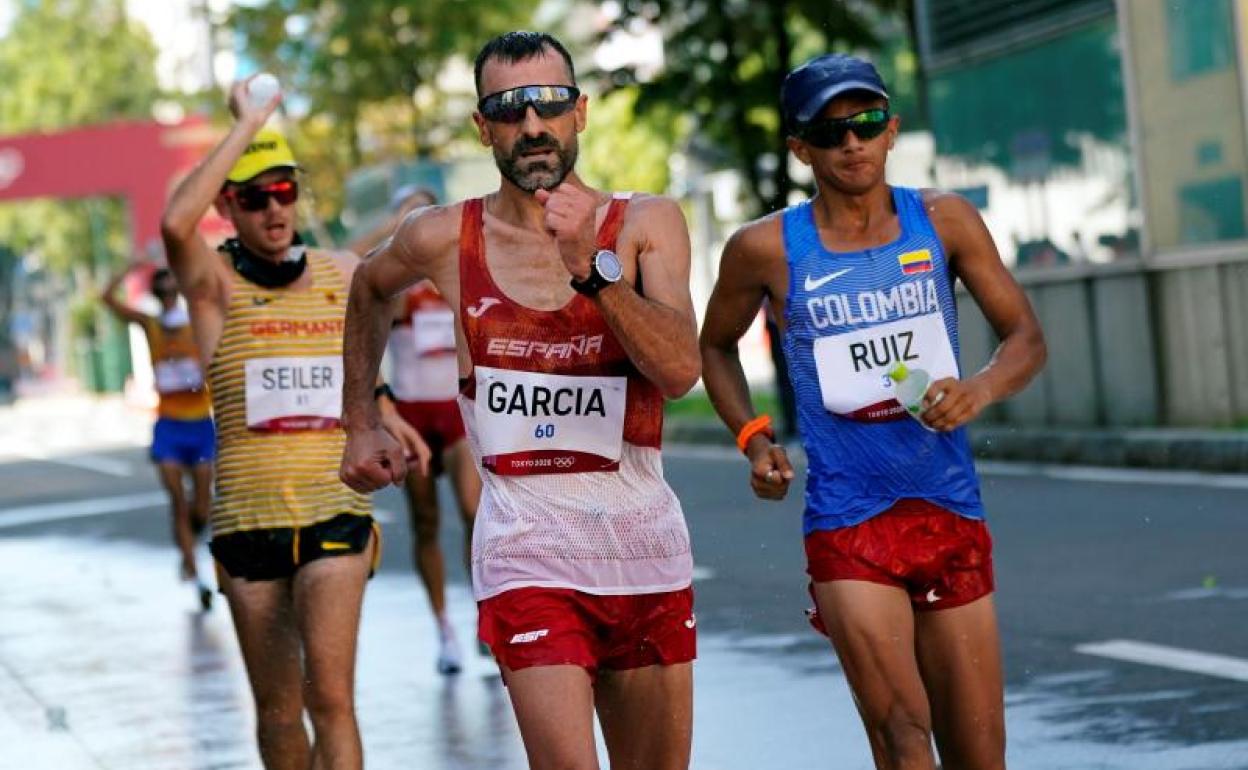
(467, 484)
(960, 657)
(265, 624)
(328, 594)
(201, 500)
(554, 707)
(872, 629)
(647, 716)
(183, 537)
(422, 502)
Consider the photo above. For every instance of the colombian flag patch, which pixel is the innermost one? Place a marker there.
(915, 262)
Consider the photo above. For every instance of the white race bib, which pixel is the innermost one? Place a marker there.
(529, 422)
(295, 393)
(853, 367)
(177, 375)
(433, 331)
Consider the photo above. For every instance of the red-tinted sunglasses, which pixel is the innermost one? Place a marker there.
(255, 197)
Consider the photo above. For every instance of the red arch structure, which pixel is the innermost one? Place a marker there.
(137, 161)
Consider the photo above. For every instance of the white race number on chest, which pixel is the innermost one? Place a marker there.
(294, 393)
(537, 414)
(178, 375)
(853, 367)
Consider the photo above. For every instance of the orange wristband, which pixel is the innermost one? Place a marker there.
(760, 424)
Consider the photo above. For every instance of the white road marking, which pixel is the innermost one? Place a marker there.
(73, 509)
(1222, 666)
(38, 514)
(701, 573)
(1217, 592)
(106, 465)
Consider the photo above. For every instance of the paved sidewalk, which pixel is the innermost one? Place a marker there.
(46, 426)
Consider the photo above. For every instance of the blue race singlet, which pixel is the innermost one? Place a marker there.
(850, 318)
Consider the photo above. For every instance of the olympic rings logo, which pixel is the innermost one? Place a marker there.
(564, 462)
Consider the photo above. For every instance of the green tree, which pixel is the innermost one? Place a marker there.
(64, 64)
(365, 74)
(623, 149)
(725, 61)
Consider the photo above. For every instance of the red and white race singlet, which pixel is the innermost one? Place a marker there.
(424, 366)
(567, 433)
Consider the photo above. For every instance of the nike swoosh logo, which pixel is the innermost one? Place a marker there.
(932, 598)
(261, 300)
(811, 285)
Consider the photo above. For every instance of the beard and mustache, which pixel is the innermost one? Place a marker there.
(536, 174)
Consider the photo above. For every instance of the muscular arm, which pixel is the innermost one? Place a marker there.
(400, 261)
(1022, 352)
(190, 259)
(118, 307)
(658, 330)
(370, 240)
(735, 301)
(201, 276)
(752, 259)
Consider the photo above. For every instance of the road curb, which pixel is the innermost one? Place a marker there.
(1181, 449)
(1198, 450)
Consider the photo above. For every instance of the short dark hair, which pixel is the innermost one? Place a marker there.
(520, 45)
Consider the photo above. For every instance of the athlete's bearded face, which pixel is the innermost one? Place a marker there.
(536, 152)
(536, 161)
(857, 164)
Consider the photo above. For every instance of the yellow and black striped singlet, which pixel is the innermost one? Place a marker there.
(278, 479)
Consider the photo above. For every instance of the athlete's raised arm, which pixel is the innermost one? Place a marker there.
(372, 458)
(752, 256)
(200, 275)
(973, 257)
(658, 330)
(119, 307)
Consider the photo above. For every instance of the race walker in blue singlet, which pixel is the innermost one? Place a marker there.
(894, 529)
(851, 317)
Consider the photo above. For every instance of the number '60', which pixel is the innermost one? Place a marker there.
(544, 431)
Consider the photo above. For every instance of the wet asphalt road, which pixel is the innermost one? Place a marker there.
(105, 663)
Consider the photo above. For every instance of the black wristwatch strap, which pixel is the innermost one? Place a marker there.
(384, 390)
(591, 285)
(597, 280)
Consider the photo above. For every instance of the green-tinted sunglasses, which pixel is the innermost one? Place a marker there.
(830, 132)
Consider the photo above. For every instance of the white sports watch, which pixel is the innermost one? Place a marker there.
(604, 269)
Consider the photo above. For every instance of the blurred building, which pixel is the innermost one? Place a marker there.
(1089, 132)
(1028, 110)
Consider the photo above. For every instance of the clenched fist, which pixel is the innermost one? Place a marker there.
(770, 469)
(371, 460)
(570, 217)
